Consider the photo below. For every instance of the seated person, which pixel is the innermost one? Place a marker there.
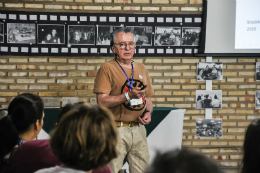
(214, 73)
(48, 39)
(207, 72)
(158, 40)
(143, 38)
(182, 161)
(84, 139)
(23, 123)
(200, 76)
(207, 102)
(38, 153)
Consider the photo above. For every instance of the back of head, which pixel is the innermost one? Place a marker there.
(252, 148)
(182, 161)
(67, 108)
(85, 138)
(23, 111)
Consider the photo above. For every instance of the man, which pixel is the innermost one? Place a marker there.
(54, 38)
(124, 86)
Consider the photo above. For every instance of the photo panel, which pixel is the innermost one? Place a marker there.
(142, 35)
(190, 36)
(208, 99)
(21, 33)
(51, 34)
(257, 99)
(209, 71)
(81, 34)
(1, 32)
(209, 128)
(257, 71)
(167, 36)
(104, 34)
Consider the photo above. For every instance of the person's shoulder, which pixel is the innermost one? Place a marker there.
(109, 64)
(34, 144)
(140, 65)
(48, 170)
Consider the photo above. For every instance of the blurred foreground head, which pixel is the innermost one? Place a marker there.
(182, 161)
(85, 138)
(251, 148)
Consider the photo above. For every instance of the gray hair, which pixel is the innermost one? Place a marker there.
(115, 32)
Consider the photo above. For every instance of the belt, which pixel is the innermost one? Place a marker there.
(124, 124)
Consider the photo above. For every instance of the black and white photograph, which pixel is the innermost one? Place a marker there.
(257, 71)
(1, 32)
(21, 33)
(257, 99)
(191, 36)
(209, 71)
(209, 128)
(167, 36)
(142, 34)
(81, 34)
(104, 34)
(208, 99)
(51, 34)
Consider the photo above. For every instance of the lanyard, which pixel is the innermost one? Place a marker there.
(131, 84)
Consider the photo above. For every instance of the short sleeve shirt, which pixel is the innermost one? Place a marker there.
(112, 81)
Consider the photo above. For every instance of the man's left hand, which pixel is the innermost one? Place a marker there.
(146, 119)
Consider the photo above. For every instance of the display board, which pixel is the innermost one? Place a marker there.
(88, 34)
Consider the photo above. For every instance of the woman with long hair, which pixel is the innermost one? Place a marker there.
(84, 139)
(23, 123)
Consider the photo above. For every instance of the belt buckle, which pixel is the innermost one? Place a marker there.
(129, 124)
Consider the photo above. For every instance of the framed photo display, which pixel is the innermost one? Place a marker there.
(89, 34)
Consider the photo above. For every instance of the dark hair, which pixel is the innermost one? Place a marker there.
(251, 148)
(199, 98)
(85, 138)
(67, 108)
(23, 111)
(182, 161)
(115, 32)
(215, 97)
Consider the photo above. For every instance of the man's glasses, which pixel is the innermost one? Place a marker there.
(124, 45)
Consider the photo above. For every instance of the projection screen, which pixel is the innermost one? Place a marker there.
(220, 28)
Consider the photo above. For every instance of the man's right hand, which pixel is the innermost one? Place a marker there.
(136, 93)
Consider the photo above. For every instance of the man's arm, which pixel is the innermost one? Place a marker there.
(111, 101)
(146, 119)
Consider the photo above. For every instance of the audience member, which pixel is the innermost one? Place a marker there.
(182, 161)
(37, 154)
(23, 123)
(84, 139)
(251, 148)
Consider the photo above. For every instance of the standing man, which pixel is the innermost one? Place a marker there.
(124, 87)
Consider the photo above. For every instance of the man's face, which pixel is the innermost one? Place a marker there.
(54, 32)
(127, 52)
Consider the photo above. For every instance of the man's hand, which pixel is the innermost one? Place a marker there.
(136, 93)
(146, 119)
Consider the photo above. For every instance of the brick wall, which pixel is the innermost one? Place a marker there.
(173, 78)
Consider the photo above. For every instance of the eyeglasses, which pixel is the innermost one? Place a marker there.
(124, 45)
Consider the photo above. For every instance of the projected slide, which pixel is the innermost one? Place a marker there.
(247, 24)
